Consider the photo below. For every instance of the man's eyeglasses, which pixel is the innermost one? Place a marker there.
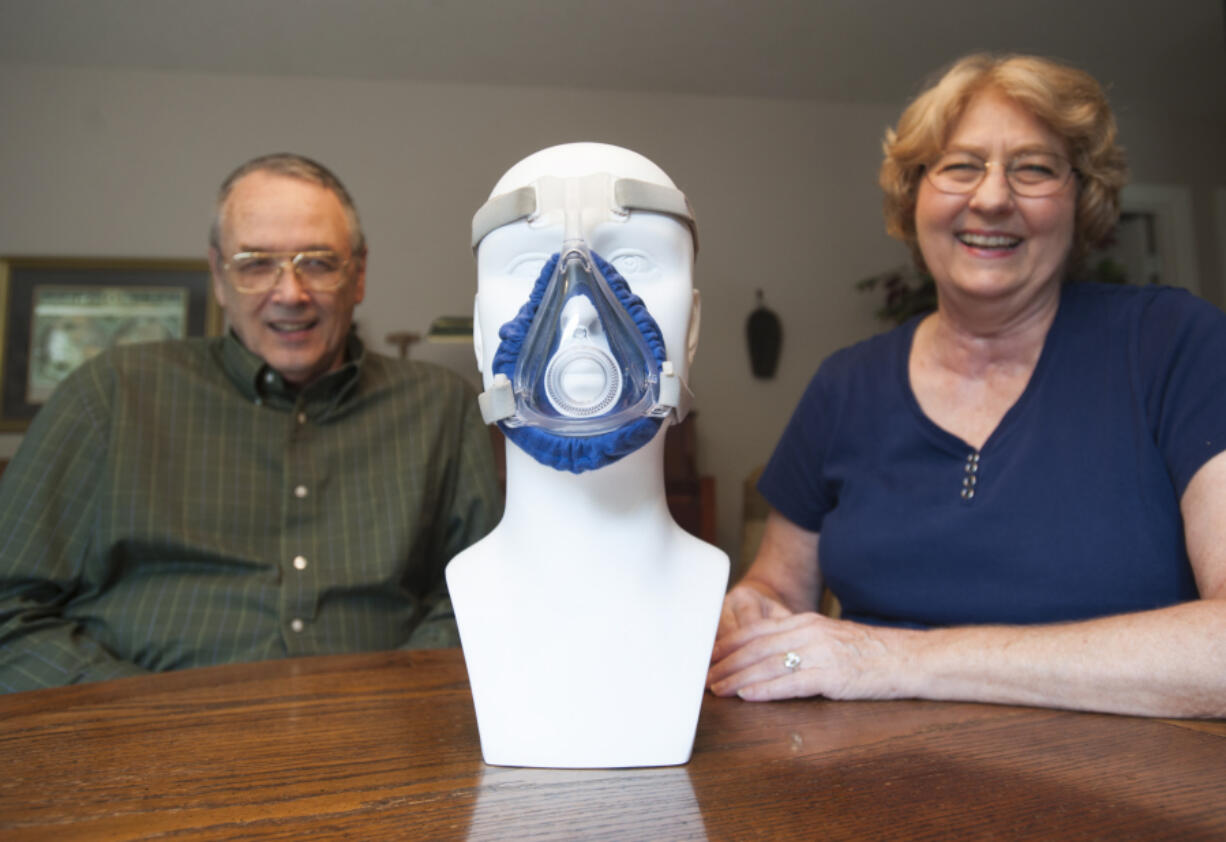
(259, 271)
(1030, 174)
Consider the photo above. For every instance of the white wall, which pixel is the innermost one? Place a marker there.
(112, 163)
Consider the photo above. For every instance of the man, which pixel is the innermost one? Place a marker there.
(279, 491)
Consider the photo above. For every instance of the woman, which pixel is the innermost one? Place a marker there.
(1020, 497)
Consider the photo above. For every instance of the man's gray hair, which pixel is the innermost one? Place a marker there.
(294, 166)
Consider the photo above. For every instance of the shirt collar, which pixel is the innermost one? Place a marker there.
(263, 385)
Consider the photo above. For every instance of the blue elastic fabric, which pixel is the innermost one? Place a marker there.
(578, 453)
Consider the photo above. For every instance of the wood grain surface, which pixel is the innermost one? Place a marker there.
(385, 746)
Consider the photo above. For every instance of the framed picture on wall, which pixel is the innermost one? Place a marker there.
(56, 313)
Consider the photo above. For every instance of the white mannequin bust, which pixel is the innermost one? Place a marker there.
(587, 616)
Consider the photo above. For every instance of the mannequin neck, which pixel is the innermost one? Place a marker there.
(631, 488)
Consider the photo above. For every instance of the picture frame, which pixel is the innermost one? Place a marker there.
(55, 313)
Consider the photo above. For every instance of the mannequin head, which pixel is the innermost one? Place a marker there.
(576, 195)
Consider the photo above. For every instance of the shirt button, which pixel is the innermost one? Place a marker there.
(269, 377)
(300, 492)
(302, 419)
(297, 625)
(300, 562)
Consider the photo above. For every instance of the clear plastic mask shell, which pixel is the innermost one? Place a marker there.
(584, 368)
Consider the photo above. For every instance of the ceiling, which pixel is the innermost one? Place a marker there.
(1170, 52)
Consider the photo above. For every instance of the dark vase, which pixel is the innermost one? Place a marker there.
(764, 332)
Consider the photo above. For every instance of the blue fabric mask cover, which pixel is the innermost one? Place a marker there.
(578, 453)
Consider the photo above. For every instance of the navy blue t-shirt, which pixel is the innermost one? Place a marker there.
(1071, 508)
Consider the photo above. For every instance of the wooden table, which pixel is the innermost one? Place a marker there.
(384, 746)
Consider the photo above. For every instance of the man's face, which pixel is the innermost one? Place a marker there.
(298, 331)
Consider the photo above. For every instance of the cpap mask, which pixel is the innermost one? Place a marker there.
(581, 377)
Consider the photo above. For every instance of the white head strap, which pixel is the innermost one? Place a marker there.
(598, 197)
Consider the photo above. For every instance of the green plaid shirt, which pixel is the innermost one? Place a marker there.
(177, 505)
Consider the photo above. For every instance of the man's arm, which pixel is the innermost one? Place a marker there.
(471, 508)
(475, 503)
(1165, 662)
(48, 500)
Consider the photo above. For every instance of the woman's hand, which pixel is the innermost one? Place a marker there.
(745, 605)
(805, 655)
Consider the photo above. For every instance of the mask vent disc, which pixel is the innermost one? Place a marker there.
(582, 381)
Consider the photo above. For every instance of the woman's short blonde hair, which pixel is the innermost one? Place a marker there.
(1067, 100)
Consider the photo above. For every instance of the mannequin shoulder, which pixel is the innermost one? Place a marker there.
(480, 560)
(696, 556)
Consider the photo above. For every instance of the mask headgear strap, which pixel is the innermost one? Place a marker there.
(604, 196)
